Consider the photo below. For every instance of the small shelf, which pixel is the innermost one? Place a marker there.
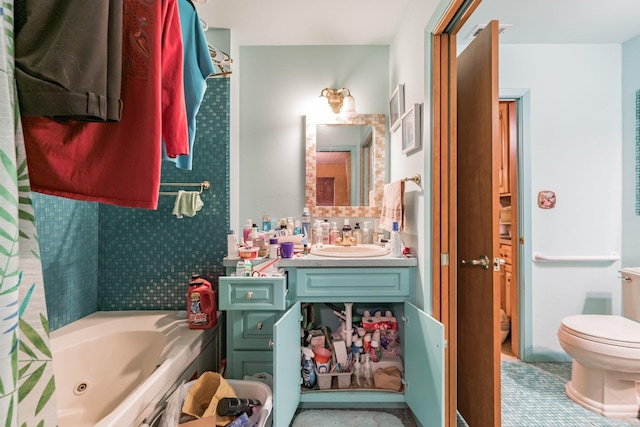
(505, 241)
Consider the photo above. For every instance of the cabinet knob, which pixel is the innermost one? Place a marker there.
(270, 343)
(249, 295)
(259, 325)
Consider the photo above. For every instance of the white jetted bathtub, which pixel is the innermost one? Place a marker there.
(113, 367)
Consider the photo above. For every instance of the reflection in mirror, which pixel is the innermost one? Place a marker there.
(342, 167)
(345, 166)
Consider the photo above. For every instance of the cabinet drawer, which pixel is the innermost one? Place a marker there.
(251, 329)
(241, 363)
(356, 284)
(252, 293)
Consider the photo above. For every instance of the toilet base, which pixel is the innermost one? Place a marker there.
(603, 392)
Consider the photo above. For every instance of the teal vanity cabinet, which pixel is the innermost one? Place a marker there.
(363, 282)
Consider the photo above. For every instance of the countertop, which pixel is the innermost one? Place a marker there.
(310, 261)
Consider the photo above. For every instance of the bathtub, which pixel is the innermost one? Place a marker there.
(112, 368)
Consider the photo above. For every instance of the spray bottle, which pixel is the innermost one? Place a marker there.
(308, 371)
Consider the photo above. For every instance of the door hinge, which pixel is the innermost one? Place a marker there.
(446, 344)
(444, 259)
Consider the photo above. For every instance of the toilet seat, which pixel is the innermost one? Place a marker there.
(606, 329)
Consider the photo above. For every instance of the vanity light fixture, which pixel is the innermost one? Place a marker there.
(340, 101)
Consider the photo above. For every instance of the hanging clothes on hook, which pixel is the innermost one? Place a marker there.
(197, 66)
(119, 163)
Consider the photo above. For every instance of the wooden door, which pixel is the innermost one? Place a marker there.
(478, 291)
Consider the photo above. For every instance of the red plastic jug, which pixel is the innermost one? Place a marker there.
(201, 304)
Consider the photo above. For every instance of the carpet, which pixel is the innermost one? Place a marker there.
(344, 418)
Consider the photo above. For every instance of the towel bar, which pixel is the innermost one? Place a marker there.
(204, 185)
(537, 256)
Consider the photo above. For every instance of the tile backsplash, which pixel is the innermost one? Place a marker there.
(103, 257)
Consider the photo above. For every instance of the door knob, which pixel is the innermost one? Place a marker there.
(483, 262)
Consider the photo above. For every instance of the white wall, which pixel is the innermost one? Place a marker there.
(575, 150)
(630, 221)
(407, 66)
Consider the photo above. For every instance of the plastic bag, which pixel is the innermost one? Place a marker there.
(171, 416)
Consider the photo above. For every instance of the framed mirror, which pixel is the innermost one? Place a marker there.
(345, 166)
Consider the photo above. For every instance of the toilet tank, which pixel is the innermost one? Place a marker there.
(631, 293)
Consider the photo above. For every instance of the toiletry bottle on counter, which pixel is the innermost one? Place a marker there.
(396, 241)
(357, 233)
(366, 234)
(246, 231)
(266, 223)
(232, 245)
(306, 226)
(308, 371)
(273, 247)
(346, 230)
(201, 304)
(325, 232)
(318, 234)
(334, 234)
(248, 268)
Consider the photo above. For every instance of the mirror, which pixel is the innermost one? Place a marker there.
(345, 166)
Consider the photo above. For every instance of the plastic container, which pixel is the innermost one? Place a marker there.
(250, 390)
(396, 242)
(201, 304)
(248, 253)
(325, 381)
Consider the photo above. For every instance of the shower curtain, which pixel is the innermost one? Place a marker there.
(27, 390)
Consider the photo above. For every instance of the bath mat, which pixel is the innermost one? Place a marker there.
(341, 418)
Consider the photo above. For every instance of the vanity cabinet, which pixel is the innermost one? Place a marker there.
(264, 334)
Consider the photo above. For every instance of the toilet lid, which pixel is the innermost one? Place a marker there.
(607, 329)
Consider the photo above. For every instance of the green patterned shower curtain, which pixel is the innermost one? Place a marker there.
(27, 390)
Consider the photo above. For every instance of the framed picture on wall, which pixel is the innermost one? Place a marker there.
(396, 107)
(412, 129)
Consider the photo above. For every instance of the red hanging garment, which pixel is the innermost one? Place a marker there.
(119, 163)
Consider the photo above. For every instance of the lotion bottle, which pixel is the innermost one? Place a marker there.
(232, 245)
(357, 234)
(318, 234)
(346, 231)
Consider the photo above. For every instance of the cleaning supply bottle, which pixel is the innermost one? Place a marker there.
(201, 304)
(308, 371)
(346, 231)
(367, 371)
(357, 370)
(357, 234)
(396, 242)
(366, 234)
(334, 234)
(306, 226)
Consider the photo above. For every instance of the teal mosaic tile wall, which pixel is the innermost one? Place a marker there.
(68, 236)
(146, 258)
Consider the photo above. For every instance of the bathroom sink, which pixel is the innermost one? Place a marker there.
(359, 251)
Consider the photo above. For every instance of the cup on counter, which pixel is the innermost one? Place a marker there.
(286, 249)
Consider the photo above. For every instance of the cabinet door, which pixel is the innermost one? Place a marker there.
(286, 366)
(424, 366)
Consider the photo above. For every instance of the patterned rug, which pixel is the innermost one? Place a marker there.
(342, 418)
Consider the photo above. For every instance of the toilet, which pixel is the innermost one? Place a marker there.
(606, 354)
